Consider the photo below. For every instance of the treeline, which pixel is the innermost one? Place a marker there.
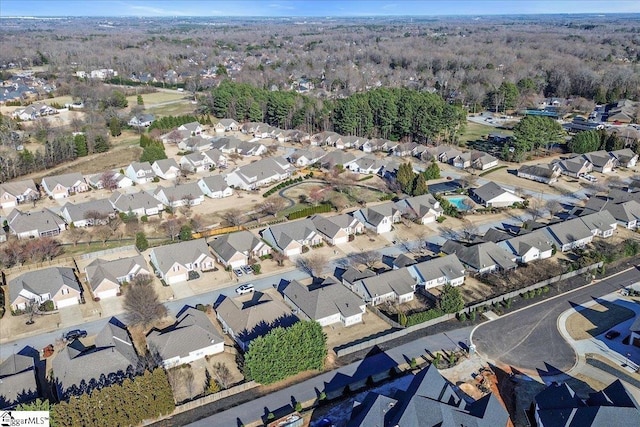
(147, 396)
(392, 113)
(171, 122)
(594, 140)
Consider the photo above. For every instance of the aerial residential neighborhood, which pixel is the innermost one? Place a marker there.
(371, 215)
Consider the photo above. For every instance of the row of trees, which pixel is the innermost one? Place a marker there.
(594, 140)
(415, 184)
(34, 250)
(532, 133)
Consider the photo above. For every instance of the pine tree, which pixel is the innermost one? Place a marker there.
(420, 186)
(142, 244)
(140, 100)
(114, 126)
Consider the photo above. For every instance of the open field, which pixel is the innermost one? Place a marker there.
(150, 99)
(474, 131)
(596, 319)
(177, 108)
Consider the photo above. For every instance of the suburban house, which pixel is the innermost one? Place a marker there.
(530, 247)
(337, 229)
(166, 168)
(601, 224)
(231, 145)
(613, 405)
(215, 186)
(251, 127)
(194, 128)
(58, 284)
(89, 213)
(337, 158)
(366, 165)
(483, 161)
(425, 209)
(235, 249)
(15, 192)
(462, 160)
(226, 125)
(174, 262)
(393, 285)
(42, 223)
(634, 328)
(190, 338)
(438, 271)
(175, 136)
(247, 317)
(260, 173)
(137, 203)
(195, 143)
(491, 195)
(96, 180)
(290, 237)
(106, 277)
(624, 158)
(326, 138)
(571, 234)
(351, 275)
(140, 172)
(545, 173)
(402, 260)
(196, 162)
(622, 111)
(80, 368)
(215, 157)
(574, 167)
(442, 153)
(350, 141)
(379, 218)
(302, 158)
(61, 186)
(429, 401)
(34, 111)
(481, 258)
(406, 149)
(180, 195)
(326, 303)
(601, 161)
(142, 120)
(377, 144)
(18, 380)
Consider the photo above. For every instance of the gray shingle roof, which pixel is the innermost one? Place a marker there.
(133, 201)
(337, 157)
(44, 220)
(397, 281)
(536, 239)
(288, 232)
(262, 169)
(489, 191)
(602, 221)
(542, 170)
(182, 253)
(375, 214)
(419, 204)
(79, 211)
(480, 256)
(190, 190)
(66, 180)
(215, 183)
(227, 245)
(352, 275)
(44, 281)
(448, 266)
(165, 164)
(325, 300)
(17, 188)
(569, 231)
(17, 380)
(100, 269)
(192, 331)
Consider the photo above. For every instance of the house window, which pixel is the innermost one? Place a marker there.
(64, 291)
(176, 268)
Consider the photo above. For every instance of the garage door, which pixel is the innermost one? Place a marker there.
(67, 302)
(341, 240)
(177, 279)
(107, 293)
(237, 263)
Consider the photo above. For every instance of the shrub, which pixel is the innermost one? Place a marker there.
(256, 268)
(298, 407)
(144, 218)
(424, 316)
(47, 306)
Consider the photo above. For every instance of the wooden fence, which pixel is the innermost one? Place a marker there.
(218, 231)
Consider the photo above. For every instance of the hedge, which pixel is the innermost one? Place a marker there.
(303, 213)
(424, 316)
(286, 183)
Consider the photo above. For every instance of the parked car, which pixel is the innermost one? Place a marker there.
(238, 272)
(612, 334)
(245, 289)
(247, 269)
(74, 334)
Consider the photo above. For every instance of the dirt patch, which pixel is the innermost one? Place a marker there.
(596, 319)
(339, 335)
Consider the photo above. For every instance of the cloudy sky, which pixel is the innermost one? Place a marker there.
(307, 8)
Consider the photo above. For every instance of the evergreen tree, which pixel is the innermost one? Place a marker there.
(141, 242)
(140, 100)
(152, 153)
(114, 126)
(405, 177)
(451, 299)
(186, 233)
(585, 142)
(80, 142)
(432, 171)
(420, 186)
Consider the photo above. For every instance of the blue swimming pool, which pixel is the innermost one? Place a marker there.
(462, 203)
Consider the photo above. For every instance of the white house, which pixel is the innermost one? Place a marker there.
(61, 186)
(393, 285)
(438, 271)
(226, 125)
(140, 172)
(142, 120)
(492, 195)
(215, 186)
(425, 209)
(180, 195)
(337, 229)
(289, 238)
(260, 173)
(568, 235)
(379, 218)
(194, 128)
(174, 262)
(166, 168)
(530, 247)
(13, 193)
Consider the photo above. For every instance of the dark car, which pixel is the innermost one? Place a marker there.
(612, 334)
(74, 334)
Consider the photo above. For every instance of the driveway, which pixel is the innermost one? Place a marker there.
(529, 340)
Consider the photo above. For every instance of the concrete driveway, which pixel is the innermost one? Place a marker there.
(529, 340)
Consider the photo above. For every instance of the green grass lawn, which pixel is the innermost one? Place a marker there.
(155, 98)
(83, 247)
(175, 109)
(476, 131)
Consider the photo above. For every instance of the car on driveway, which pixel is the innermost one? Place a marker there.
(247, 269)
(245, 289)
(238, 272)
(612, 334)
(74, 334)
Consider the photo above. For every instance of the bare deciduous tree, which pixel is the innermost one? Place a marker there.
(469, 230)
(272, 205)
(171, 227)
(102, 233)
(222, 374)
(75, 235)
(367, 258)
(553, 206)
(314, 264)
(233, 217)
(109, 181)
(279, 258)
(141, 303)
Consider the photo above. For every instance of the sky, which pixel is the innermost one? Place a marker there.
(271, 8)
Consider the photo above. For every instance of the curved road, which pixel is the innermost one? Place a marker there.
(529, 339)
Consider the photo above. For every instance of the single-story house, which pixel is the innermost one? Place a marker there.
(194, 128)
(601, 224)
(327, 303)
(215, 158)
(226, 125)
(34, 111)
(196, 162)
(247, 317)
(61, 186)
(106, 277)
(337, 158)
(326, 138)
(625, 157)
(377, 144)
(89, 213)
(42, 223)
(379, 218)
(120, 180)
(166, 168)
(142, 120)
(231, 145)
(571, 234)
(80, 368)
(367, 165)
(545, 173)
(302, 158)
(482, 257)
(18, 379)
(483, 161)
(425, 209)
(195, 143)
(57, 284)
(530, 247)
(259, 174)
(393, 285)
(337, 229)
(438, 271)
(290, 237)
(140, 172)
(188, 194)
(492, 195)
(174, 262)
(235, 249)
(575, 166)
(190, 338)
(215, 186)
(406, 149)
(140, 204)
(352, 275)
(13, 193)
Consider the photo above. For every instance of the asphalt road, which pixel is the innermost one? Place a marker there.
(529, 339)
